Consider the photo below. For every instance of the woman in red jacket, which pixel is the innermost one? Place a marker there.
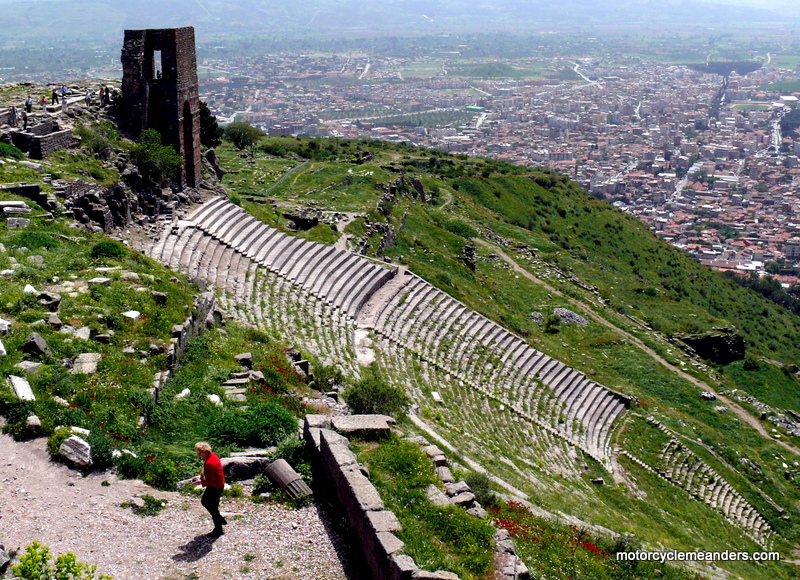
(213, 479)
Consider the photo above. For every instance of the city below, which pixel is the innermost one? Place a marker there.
(725, 190)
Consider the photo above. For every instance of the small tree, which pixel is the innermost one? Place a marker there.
(372, 394)
(156, 161)
(243, 135)
(210, 131)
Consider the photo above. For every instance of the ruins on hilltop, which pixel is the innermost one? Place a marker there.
(160, 91)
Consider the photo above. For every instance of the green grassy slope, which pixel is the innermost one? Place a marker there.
(579, 253)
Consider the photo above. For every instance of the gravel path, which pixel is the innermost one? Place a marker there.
(45, 501)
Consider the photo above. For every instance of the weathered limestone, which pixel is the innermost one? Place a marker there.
(363, 424)
(22, 388)
(86, 363)
(35, 345)
(76, 450)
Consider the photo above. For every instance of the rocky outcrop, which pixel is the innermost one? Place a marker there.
(722, 346)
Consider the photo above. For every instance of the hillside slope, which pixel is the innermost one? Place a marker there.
(515, 244)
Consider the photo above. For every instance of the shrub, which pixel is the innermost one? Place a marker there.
(102, 445)
(156, 161)
(36, 564)
(210, 131)
(480, 484)
(99, 138)
(7, 150)
(108, 249)
(152, 506)
(34, 240)
(461, 228)
(263, 424)
(55, 440)
(242, 135)
(327, 378)
(161, 472)
(372, 394)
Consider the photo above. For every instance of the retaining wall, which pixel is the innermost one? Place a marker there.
(374, 526)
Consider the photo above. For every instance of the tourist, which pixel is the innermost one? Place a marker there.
(43, 102)
(88, 97)
(213, 479)
(12, 117)
(24, 120)
(54, 97)
(102, 96)
(63, 92)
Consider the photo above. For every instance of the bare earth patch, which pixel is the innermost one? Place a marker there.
(44, 501)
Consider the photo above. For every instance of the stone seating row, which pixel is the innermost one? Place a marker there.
(343, 279)
(682, 467)
(421, 317)
(469, 409)
(478, 349)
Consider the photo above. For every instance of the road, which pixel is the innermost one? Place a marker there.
(365, 72)
(583, 76)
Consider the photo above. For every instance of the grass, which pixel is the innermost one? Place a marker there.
(437, 537)
(559, 550)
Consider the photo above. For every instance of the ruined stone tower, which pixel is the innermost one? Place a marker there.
(159, 88)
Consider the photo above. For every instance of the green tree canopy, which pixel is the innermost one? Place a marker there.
(156, 161)
(242, 135)
(210, 131)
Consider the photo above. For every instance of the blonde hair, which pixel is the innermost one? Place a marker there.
(202, 446)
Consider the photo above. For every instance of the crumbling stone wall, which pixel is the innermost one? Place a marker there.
(165, 99)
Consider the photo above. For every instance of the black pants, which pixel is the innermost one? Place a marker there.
(210, 501)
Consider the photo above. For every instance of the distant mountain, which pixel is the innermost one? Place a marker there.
(105, 19)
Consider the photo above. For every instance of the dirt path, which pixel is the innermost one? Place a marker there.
(44, 501)
(737, 409)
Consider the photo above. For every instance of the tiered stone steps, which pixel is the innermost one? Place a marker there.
(483, 354)
(682, 467)
(313, 293)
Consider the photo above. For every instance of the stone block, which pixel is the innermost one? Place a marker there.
(389, 543)
(16, 223)
(363, 492)
(22, 388)
(384, 521)
(438, 575)
(33, 422)
(102, 280)
(5, 325)
(363, 424)
(244, 467)
(76, 450)
(28, 367)
(478, 512)
(49, 300)
(453, 489)
(435, 496)
(245, 359)
(317, 422)
(401, 567)
(463, 499)
(432, 451)
(35, 345)
(3, 351)
(445, 475)
(86, 363)
(84, 333)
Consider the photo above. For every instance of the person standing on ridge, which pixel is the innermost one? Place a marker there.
(28, 104)
(54, 97)
(213, 479)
